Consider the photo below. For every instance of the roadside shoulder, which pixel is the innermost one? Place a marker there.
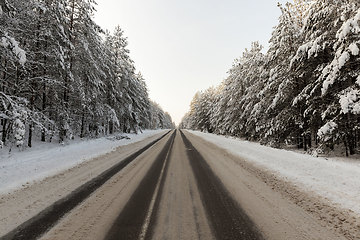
(20, 205)
(329, 214)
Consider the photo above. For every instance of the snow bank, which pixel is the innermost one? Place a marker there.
(336, 179)
(45, 159)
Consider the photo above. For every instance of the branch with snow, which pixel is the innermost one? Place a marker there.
(13, 45)
(327, 130)
(350, 26)
(350, 101)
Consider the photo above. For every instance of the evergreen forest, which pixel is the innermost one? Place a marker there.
(304, 90)
(62, 76)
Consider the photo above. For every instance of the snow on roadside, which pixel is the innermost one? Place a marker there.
(20, 168)
(335, 179)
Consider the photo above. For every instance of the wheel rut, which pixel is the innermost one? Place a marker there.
(47, 218)
(227, 220)
(130, 223)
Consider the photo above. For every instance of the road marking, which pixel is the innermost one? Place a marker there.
(153, 199)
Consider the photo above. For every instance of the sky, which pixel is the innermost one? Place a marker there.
(185, 46)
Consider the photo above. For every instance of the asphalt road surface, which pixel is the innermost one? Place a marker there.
(170, 187)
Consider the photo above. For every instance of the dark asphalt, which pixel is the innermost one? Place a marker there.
(128, 224)
(228, 221)
(39, 224)
(226, 218)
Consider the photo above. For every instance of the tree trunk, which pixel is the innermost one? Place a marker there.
(3, 85)
(43, 133)
(346, 148)
(350, 138)
(331, 146)
(305, 133)
(62, 133)
(82, 125)
(309, 140)
(31, 125)
(3, 137)
(111, 127)
(300, 142)
(30, 136)
(351, 143)
(357, 138)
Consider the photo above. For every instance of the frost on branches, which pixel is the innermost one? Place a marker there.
(326, 131)
(13, 45)
(74, 80)
(19, 128)
(304, 91)
(350, 101)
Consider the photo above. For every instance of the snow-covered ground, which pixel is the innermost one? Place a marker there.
(18, 168)
(336, 179)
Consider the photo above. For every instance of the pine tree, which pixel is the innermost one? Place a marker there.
(304, 90)
(60, 78)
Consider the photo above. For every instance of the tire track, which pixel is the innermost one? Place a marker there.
(227, 219)
(138, 211)
(42, 222)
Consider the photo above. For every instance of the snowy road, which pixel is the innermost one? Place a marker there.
(179, 187)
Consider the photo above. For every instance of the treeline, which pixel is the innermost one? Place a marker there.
(305, 90)
(62, 76)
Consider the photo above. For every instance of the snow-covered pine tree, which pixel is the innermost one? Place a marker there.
(59, 77)
(13, 107)
(124, 78)
(305, 87)
(279, 120)
(159, 119)
(340, 79)
(218, 108)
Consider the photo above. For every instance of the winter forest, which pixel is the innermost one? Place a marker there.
(304, 91)
(62, 76)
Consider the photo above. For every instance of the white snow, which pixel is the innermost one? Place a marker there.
(327, 129)
(356, 108)
(354, 49)
(330, 79)
(309, 49)
(9, 42)
(336, 179)
(19, 132)
(343, 59)
(350, 26)
(349, 101)
(61, 29)
(46, 159)
(358, 81)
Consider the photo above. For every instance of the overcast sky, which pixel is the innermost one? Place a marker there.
(183, 46)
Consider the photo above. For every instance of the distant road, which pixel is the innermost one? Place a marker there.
(171, 187)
